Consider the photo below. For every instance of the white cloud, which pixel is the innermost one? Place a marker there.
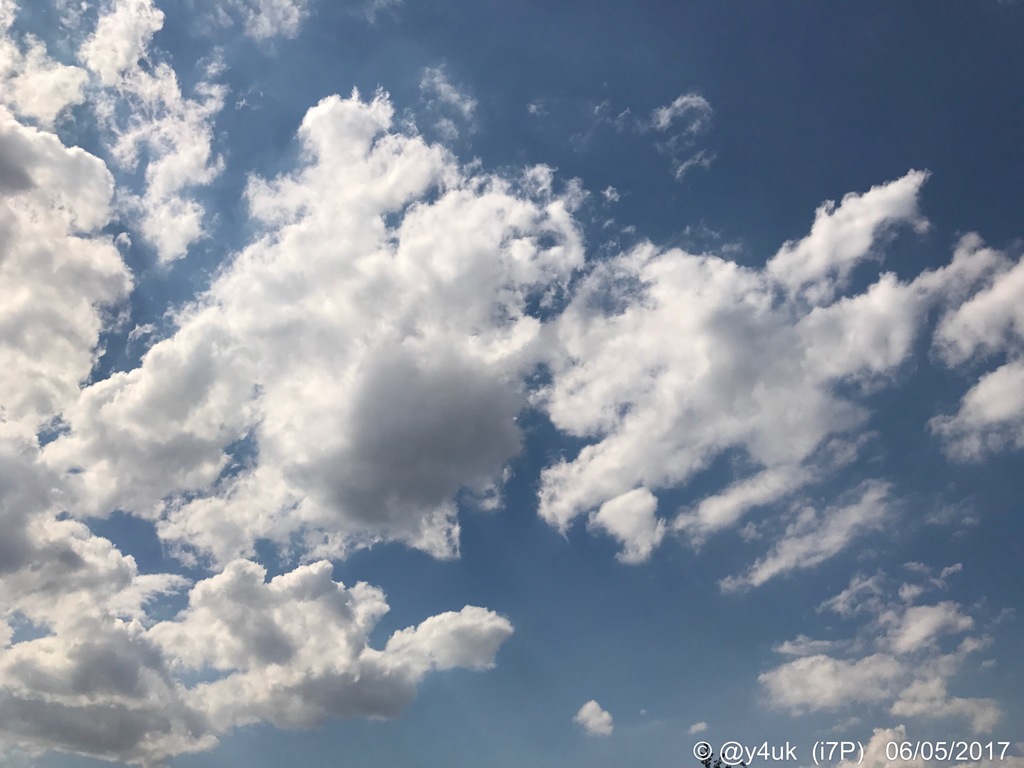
(843, 236)
(388, 379)
(665, 360)
(434, 82)
(929, 698)
(991, 415)
(90, 682)
(813, 538)
(271, 18)
(101, 690)
(121, 39)
(691, 107)
(374, 7)
(32, 84)
(821, 682)
(875, 750)
(801, 645)
(700, 159)
(387, 383)
(726, 508)
(902, 666)
(697, 728)
(679, 123)
(296, 648)
(991, 322)
(630, 519)
(446, 103)
(594, 720)
(104, 680)
(55, 201)
(863, 594)
(920, 625)
(144, 108)
(97, 676)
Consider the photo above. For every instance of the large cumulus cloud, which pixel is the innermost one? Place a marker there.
(85, 666)
(387, 378)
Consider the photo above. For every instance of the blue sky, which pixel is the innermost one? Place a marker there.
(450, 384)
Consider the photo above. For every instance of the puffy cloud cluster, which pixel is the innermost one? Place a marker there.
(667, 360)
(136, 99)
(903, 659)
(86, 679)
(104, 680)
(389, 376)
(140, 101)
(84, 666)
(296, 649)
(94, 675)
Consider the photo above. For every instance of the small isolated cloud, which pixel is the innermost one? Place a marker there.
(697, 728)
(692, 110)
(611, 194)
(272, 18)
(594, 720)
(801, 645)
(448, 103)
(679, 124)
(373, 8)
(601, 117)
(675, 127)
